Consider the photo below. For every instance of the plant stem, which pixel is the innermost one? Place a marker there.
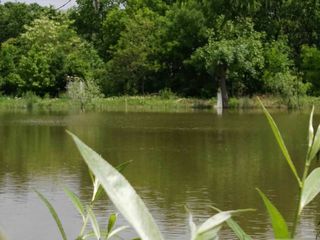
(298, 210)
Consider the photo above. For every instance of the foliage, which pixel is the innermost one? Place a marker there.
(234, 52)
(166, 93)
(279, 75)
(143, 46)
(184, 31)
(82, 92)
(235, 44)
(311, 67)
(40, 59)
(14, 16)
(308, 184)
(133, 60)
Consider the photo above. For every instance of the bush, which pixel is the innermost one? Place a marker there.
(81, 91)
(279, 76)
(166, 93)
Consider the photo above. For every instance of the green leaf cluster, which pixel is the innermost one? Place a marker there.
(41, 59)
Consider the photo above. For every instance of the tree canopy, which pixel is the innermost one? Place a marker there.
(143, 46)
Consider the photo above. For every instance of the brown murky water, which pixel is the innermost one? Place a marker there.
(196, 159)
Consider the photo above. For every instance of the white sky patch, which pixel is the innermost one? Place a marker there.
(55, 3)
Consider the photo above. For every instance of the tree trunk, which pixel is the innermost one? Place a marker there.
(222, 78)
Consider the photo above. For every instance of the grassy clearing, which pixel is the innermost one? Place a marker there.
(144, 104)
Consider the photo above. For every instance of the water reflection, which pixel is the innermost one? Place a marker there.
(194, 159)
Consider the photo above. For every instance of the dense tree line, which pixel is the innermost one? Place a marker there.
(192, 47)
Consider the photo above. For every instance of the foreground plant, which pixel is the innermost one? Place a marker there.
(87, 214)
(130, 205)
(308, 184)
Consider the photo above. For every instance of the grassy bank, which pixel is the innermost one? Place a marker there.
(143, 103)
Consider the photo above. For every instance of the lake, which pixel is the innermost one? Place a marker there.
(195, 159)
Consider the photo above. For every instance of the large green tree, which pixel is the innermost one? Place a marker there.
(41, 59)
(133, 61)
(184, 31)
(234, 52)
(14, 16)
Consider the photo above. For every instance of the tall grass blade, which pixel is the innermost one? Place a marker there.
(116, 232)
(279, 225)
(98, 190)
(192, 225)
(94, 223)
(112, 221)
(53, 214)
(315, 146)
(96, 187)
(311, 131)
(76, 202)
(122, 166)
(241, 234)
(121, 193)
(311, 188)
(211, 227)
(280, 141)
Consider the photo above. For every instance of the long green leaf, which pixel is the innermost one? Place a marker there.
(121, 193)
(211, 227)
(279, 225)
(241, 234)
(76, 202)
(53, 213)
(122, 166)
(192, 225)
(311, 188)
(311, 131)
(315, 146)
(94, 223)
(96, 187)
(116, 231)
(112, 221)
(280, 141)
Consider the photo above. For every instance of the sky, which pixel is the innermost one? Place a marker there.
(55, 3)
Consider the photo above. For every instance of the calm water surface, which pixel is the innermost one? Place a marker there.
(196, 159)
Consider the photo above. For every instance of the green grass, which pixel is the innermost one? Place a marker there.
(148, 103)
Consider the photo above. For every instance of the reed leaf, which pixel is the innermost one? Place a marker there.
(122, 166)
(112, 221)
(120, 192)
(53, 214)
(311, 131)
(280, 141)
(96, 189)
(241, 234)
(76, 202)
(94, 223)
(315, 146)
(192, 225)
(311, 188)
(116, 232)
(210, 228)
(279, 225)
